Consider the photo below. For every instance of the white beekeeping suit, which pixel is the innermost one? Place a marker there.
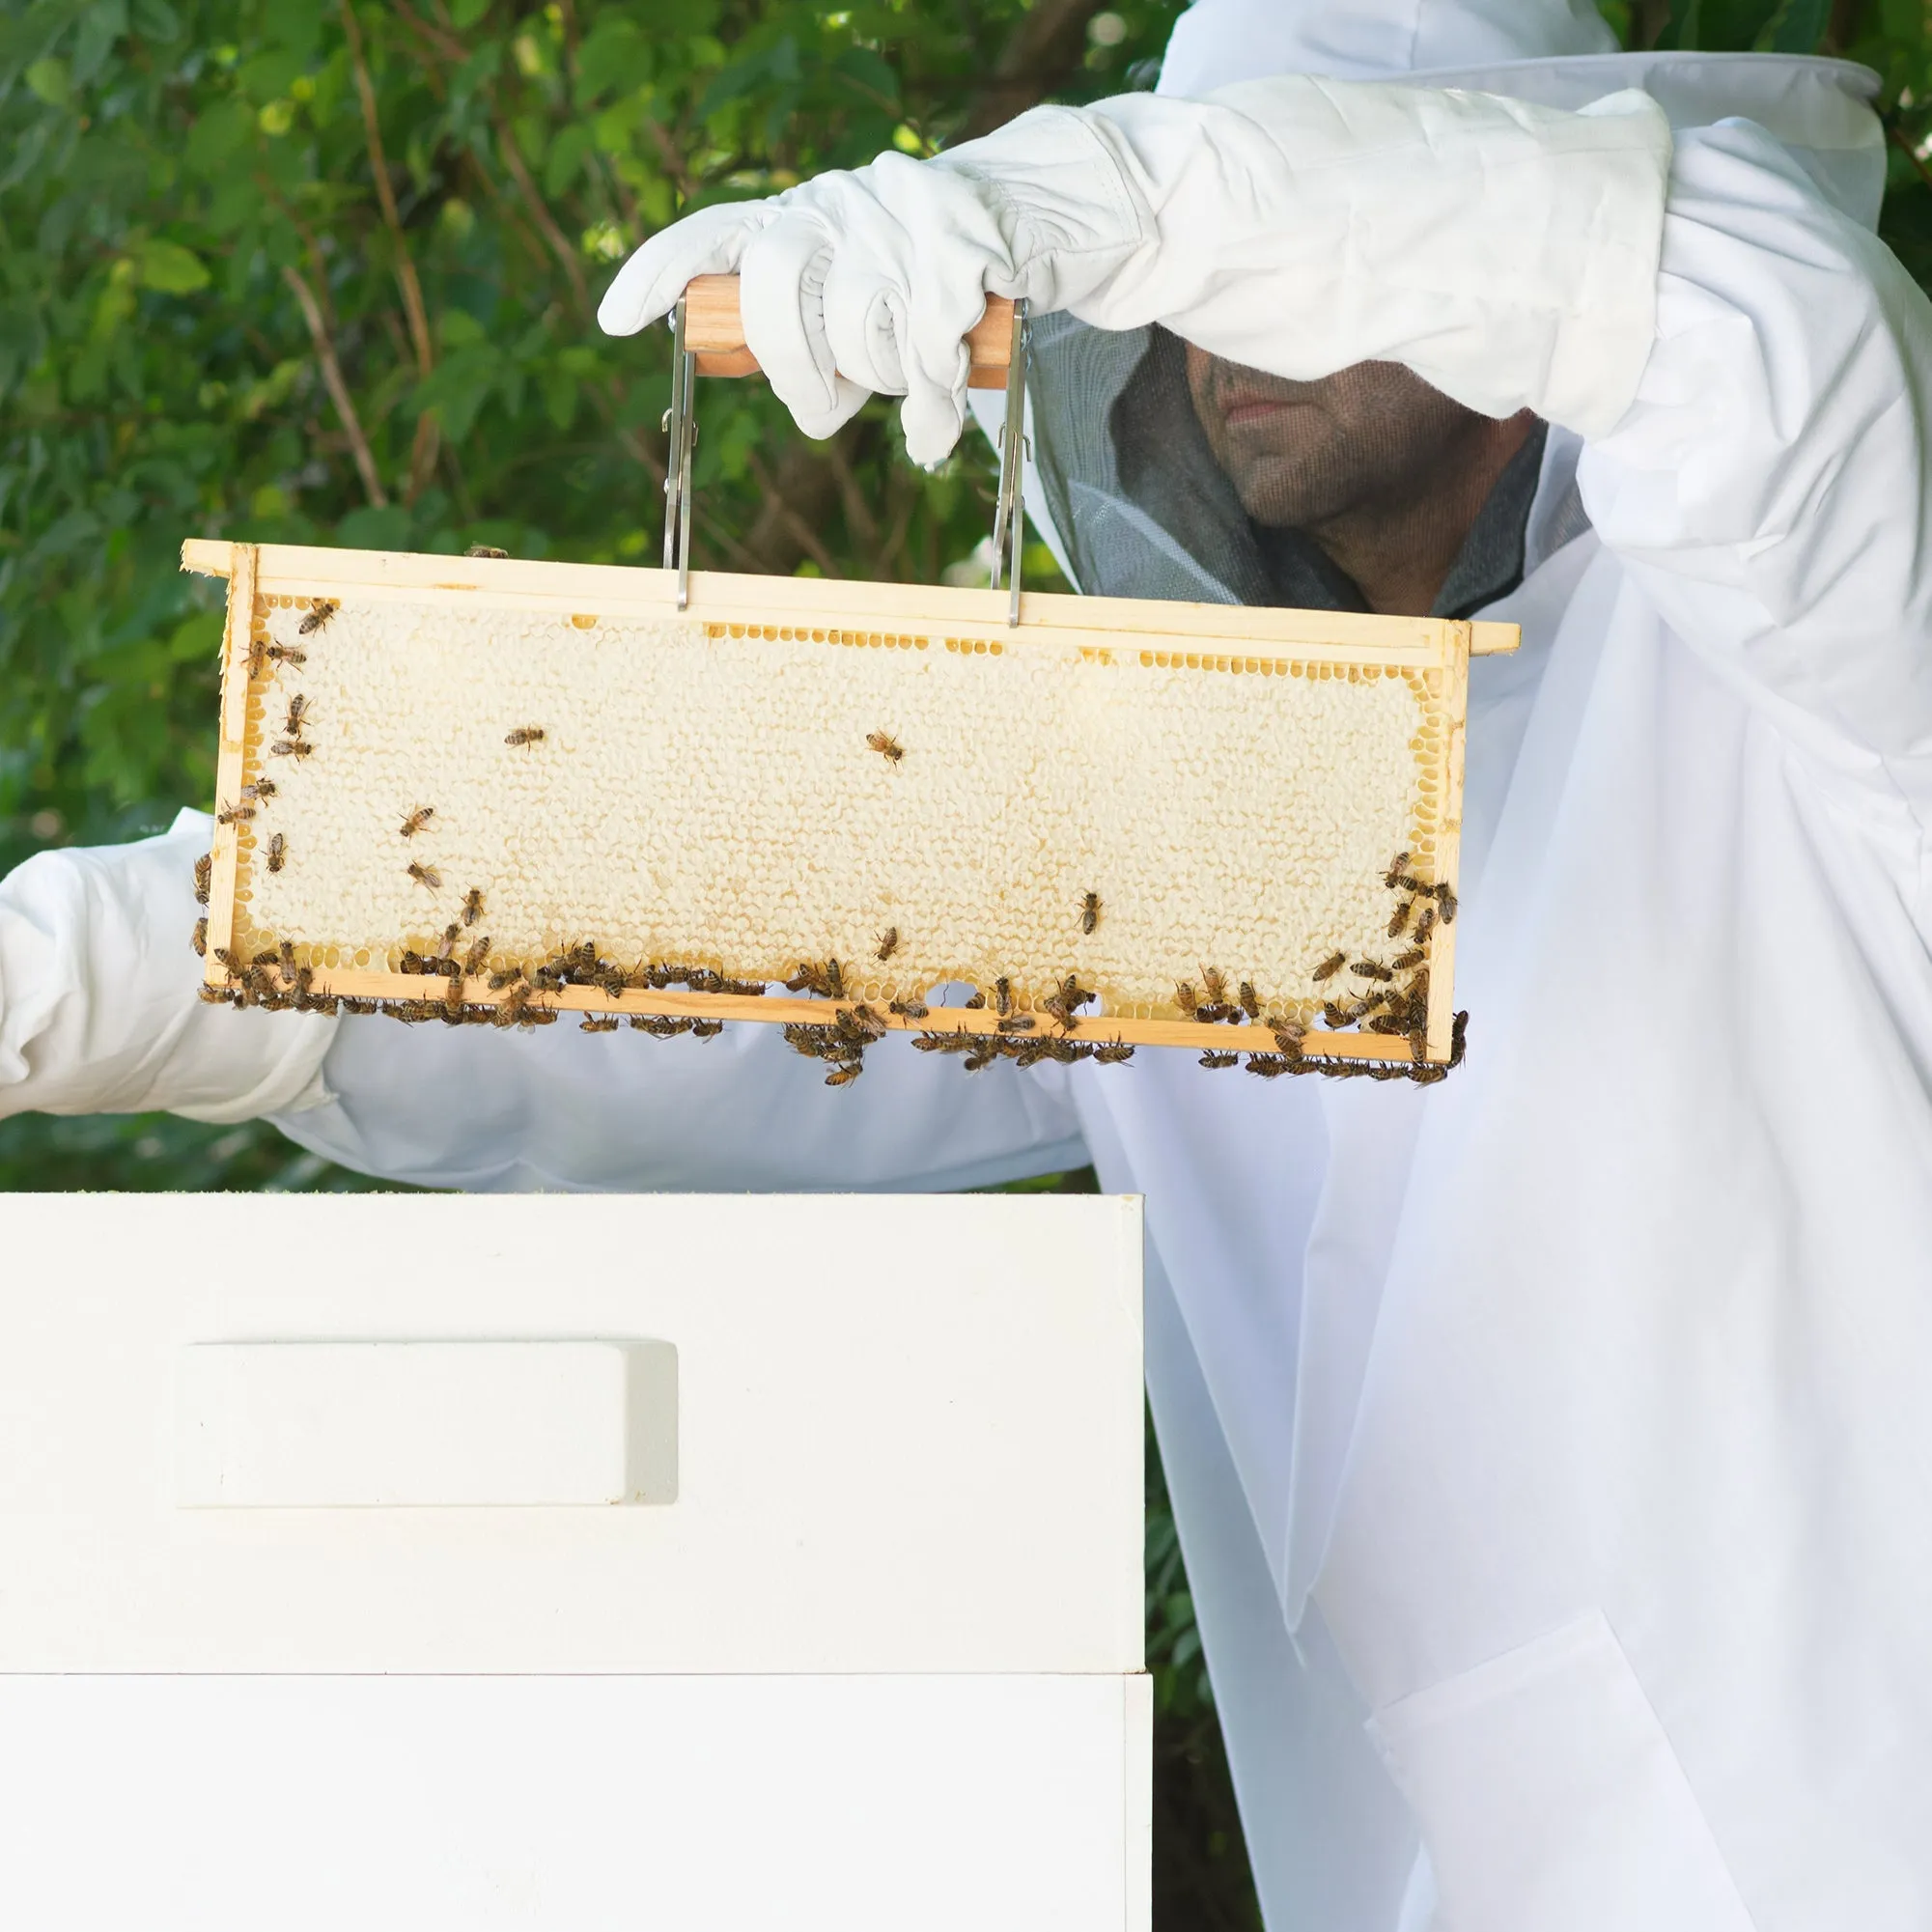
(1550, 1448)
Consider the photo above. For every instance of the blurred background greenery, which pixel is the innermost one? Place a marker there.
(308, 271)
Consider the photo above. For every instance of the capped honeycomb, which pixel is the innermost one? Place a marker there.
(600, 802)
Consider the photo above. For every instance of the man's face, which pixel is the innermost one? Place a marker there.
(1302, 454)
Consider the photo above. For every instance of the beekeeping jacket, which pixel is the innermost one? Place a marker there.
(1550, 1448)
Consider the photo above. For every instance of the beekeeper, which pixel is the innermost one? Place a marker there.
(1551, 1448)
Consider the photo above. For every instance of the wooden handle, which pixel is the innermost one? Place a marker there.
(715, 336)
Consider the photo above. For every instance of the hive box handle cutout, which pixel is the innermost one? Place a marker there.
(424, 1424)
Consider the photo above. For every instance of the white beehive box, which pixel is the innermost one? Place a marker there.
(522, 1563)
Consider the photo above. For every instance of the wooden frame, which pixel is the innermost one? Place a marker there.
(1440, 648)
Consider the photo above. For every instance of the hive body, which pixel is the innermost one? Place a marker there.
(1138, 796)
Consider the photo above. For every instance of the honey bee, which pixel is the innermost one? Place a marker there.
(1089, 911)
(981, 1057)
(887, 747)
(287, 654)
(1213, 983)
(278, 852)
(474, 959)
(1396, 867)
(1330, 967)
(598, 1022)
(1250, 1000)
(258, 657)
(485, 550)
(263, 789)
(200, 941)
(234, 815)
(907, 1009)
(1115, 1054)
(826, 980)
(1459, 1029)
(1425, 924)
(888, 942)
(843, 1077)
(1002, 996)
(1187, 999)
(525, 733)
(299, 706)
(425, 875)
(508, 977)
(1372, 970)
(1288, 1037)
(707, 1029)
(1217, 1060)
(1414, 956)
(1399, 918)
(361, 1007)
(317, 618)
(1018, 1023)
(976, 1001)
(1445, 898)
(417, 819)
(290, 747)
(215, 996)
(472, 906)
(203, 871)
(284, 955)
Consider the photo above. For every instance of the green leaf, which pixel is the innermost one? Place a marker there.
(615, 58)
(1796, 28)
(565, 161)
(107, 20)
(156, 20)
(169, 268)
(467, 12)
(373, 529)
(218, 134)
(48, 79)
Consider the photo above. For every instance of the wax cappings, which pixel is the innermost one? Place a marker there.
(705, 794)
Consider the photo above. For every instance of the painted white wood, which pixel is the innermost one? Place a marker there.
(908, 1435)
(705, 1804)
(412, 1424)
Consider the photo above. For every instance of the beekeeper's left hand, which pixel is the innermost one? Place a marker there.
(1507, 253)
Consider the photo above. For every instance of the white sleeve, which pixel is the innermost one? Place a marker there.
(1506, 253)
(470, 1108)
(1766, 488)
(99, 1012)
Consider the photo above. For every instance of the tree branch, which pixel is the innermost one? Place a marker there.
(338, 389)
(423, 452)
(540, 211)
(1040, 56)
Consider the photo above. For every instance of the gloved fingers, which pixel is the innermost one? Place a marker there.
(901, 339)
(709, 242)
(782, 286)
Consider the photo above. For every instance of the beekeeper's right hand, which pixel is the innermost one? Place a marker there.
(1506, 253)
(99, 1010)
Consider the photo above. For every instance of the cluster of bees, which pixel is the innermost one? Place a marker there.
(1387, 1004)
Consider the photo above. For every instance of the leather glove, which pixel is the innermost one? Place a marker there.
(1506, 253)
(99, 1012)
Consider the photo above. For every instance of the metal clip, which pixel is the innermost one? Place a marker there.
(1009, 518)
(682, 424)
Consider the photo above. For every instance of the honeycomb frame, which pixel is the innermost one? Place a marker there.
(1083, 686)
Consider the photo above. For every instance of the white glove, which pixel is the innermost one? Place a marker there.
(99, 1012)
(1506, 253)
